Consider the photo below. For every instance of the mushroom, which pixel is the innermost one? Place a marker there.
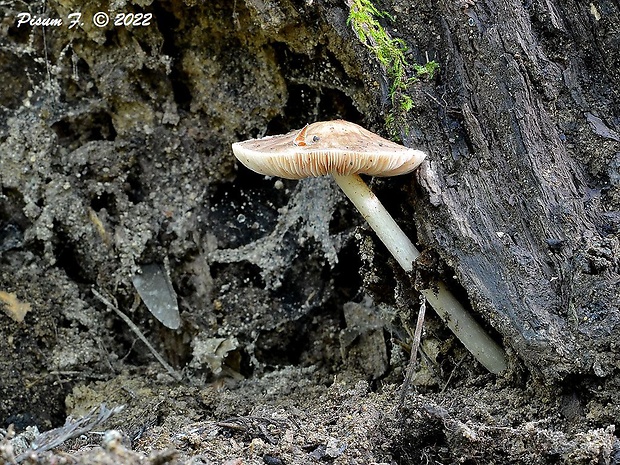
(345, 150)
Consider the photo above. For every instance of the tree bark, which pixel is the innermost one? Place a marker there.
(521, 197)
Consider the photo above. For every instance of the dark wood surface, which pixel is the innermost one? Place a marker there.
(518, 197)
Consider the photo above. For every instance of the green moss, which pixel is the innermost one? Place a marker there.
(364, 19)
(426, 71)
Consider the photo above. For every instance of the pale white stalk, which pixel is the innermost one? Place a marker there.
(466, 329)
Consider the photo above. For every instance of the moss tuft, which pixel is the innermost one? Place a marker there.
(364, 19)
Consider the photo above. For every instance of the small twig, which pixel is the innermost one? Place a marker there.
(171, 371)
(443, 389)
(234, 426)
(415, 345)
(255, 426)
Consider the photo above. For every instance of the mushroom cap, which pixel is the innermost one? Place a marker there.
(327, 147)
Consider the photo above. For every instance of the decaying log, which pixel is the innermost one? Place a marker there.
(516, 184)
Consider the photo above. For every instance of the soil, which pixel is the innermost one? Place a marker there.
(295, 324)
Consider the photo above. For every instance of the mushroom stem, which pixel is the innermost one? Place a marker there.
(462, 324)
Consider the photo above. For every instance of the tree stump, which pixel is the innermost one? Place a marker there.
(522, 189)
